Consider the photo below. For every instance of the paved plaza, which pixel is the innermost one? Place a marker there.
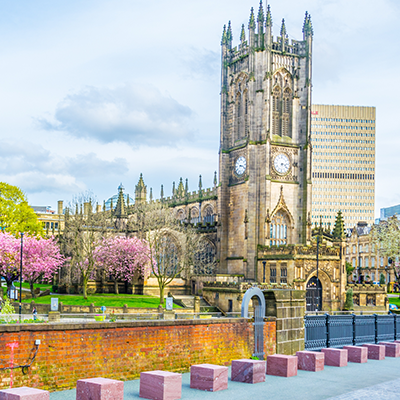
(373, 380)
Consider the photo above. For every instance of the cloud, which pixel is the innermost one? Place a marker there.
(137, 115)
(36, 170)
(200, 63)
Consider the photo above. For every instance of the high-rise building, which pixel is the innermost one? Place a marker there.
(343, 164)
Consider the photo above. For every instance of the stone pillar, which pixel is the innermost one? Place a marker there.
(196, 304)
(290, 311)
(125, 309)
(363, 300)
(54, 316)
(91, 308)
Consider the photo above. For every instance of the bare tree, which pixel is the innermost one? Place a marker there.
(172, 243)
(83, 232)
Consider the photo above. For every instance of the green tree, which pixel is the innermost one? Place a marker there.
(382, 279)
(15, 214)
(386, 236)
(349, 268)
(348, 304)
(338, 230)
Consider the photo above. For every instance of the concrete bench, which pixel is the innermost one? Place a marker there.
(391, 349)
(24, 393)
(282, 365)
(99, 389)
(375, 351)
(248, 371)
(310, 360)
(160, 385)
(209, 377)
(357, 354)
(335, 357)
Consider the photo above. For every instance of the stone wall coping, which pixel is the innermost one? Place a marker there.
(115, 325)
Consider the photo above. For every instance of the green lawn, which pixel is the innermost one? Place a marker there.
(394, 300)
(108, 300)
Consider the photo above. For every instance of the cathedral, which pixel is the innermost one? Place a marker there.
(256, 217)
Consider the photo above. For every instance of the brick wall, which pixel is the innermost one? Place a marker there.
(122, 350)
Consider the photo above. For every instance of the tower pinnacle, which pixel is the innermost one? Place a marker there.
(252, 22)
(224, 38)
(242, 35)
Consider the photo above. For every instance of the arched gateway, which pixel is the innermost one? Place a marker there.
(314, 294)
(259, 314)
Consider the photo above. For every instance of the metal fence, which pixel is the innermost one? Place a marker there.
(326, 330)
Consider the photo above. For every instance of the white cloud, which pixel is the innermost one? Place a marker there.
(134, 114)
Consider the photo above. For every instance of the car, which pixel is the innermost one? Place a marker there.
(393, 307)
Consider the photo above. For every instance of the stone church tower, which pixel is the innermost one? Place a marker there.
(264, 195)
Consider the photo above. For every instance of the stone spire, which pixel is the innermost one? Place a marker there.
(229, 36)
(181, 189)
(162, 192)
(252, 21)
(307, 27)
(151, 195)
(200, 187)
(120, 211)
(242, 35)
(173, 189)
(338, 230)
(268, 19)
(283, 35)
(260, 23)
(140, 191)
(215, 179)
(260, 16)
(224, 39)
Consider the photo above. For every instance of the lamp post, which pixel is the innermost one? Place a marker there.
(317, 273)
(20, 277)
(264, 262)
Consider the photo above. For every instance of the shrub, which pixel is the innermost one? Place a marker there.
(349, 305)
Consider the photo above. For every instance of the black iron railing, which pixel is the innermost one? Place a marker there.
(323, 331)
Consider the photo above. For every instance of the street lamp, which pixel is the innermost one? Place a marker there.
(20, 277)
(264, 262)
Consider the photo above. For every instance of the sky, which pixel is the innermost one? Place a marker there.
(95, 92)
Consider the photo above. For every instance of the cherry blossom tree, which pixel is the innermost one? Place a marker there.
(9, 256)
(41, 259)
(122, 258)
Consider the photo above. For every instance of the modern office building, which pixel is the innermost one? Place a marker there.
(343, 164)
(388, 212)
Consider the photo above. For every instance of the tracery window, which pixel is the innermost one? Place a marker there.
(286, 112)
(204, 260)
(208, 214)
(167, 259)
(180, 215)
(276, 111)
(279, 229)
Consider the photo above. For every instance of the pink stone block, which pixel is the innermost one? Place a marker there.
(391, 349)
(209, 377)
(160, 385)
(375, 351)
(99, 389)
(357, 354)
(248, 371)
(310, 360)
(24, 393)
(282, 365)
(335, 357)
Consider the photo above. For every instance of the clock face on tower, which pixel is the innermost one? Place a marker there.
(281, 163)
(240, 166)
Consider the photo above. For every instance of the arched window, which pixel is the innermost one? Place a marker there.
(276, 111)
(204, 260)
(167, 256)
(279, 229)
(286, 112)
(208, 214)
(180, 215)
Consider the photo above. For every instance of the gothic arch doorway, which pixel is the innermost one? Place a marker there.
(314, 295)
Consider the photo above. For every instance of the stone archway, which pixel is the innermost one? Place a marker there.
(326, 288)
(314, 294)
(250, 293)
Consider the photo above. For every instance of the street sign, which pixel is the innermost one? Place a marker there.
(103, 309)
(54, 304)
(169, 303)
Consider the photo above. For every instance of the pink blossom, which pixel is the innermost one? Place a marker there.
(122, 257)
